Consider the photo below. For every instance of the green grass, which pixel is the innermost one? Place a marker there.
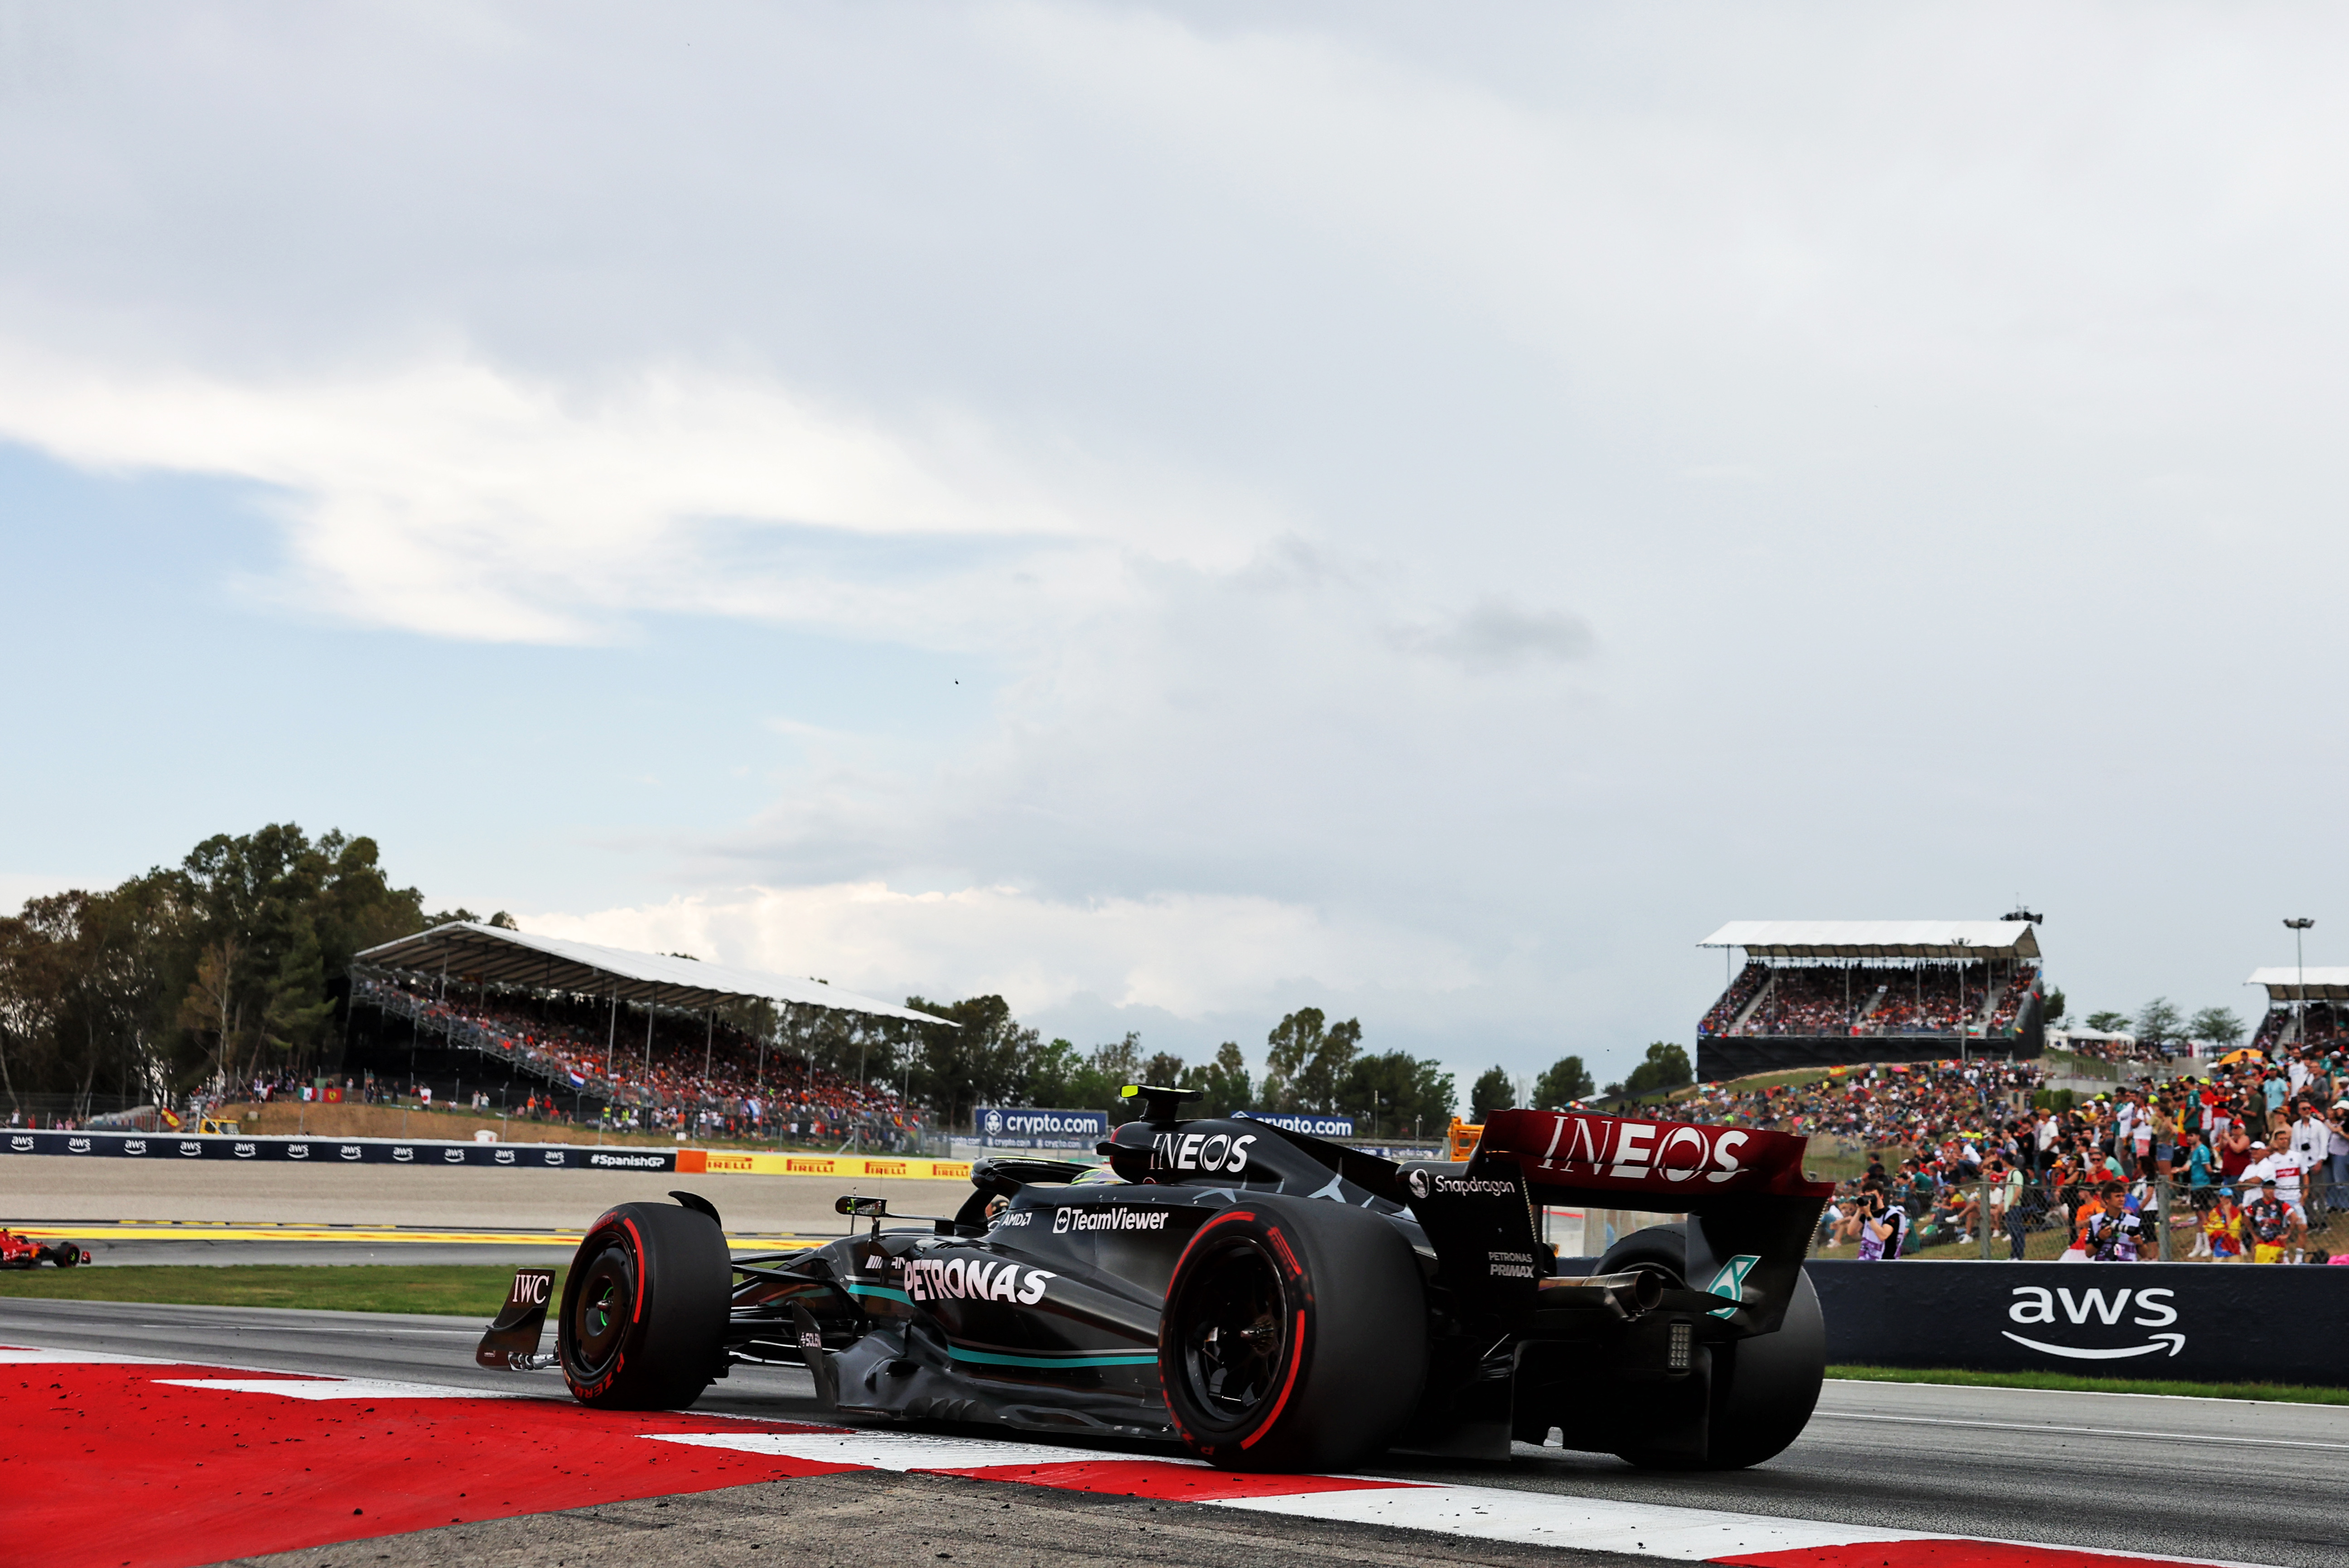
(452, 1290)
(2281, 1392)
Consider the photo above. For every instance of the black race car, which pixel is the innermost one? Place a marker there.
(1270, 1300)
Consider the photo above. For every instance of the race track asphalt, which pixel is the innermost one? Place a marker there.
(2226, 1480)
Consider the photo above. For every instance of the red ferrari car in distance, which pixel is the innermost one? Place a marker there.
(23, 1252)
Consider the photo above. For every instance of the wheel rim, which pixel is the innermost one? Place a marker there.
(1235, 1334)
(601, 1310)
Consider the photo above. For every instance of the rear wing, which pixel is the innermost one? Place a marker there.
(1751, 1207)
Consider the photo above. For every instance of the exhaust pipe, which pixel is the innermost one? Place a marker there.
(1632, 1293)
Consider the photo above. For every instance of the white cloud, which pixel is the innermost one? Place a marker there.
(1189, 955)
(459, 500)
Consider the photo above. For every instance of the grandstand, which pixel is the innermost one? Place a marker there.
(647, 1040)
(1819, 993)
(2305, 1006)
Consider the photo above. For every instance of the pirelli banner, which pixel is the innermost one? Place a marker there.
(861, 1167)
(343, 1151)
(2201, 1322)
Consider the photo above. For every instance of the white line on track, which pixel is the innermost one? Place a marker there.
(2062, 1393)
(341, 1388)
(2076, 1431)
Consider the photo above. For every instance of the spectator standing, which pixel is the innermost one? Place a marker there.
(1883, 1227)
(2223, 1228)
(2337, 1154)
(2114, 1234)
(2310, 1138)
(2271, 1224)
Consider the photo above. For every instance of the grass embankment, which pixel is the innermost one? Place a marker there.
(453, 1290)
(2279, 1393)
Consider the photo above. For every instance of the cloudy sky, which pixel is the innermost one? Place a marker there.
(1178, 514)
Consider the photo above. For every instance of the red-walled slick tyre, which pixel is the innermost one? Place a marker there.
(1295, 1335)
(644, 1309)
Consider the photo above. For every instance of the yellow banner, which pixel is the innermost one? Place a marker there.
(738, 1162)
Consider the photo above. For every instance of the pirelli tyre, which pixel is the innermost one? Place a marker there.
(1763, 1388)
(1294, 1337)
(644, 1309)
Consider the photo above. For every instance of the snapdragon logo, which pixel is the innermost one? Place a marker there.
(2039, 1304)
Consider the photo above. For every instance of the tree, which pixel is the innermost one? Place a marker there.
(1395, 1091)
(1307, 1062)
(1566, 1080)
(955, 1069)
(1493, 1091)
(2219, 1025)
(1224, 1082)
(2159, 1023)
(2109, 1023)
(2052, 1009)
(1666, 1068)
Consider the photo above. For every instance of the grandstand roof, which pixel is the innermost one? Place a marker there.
(1879, 939)
(517, 958)
(2285, 985)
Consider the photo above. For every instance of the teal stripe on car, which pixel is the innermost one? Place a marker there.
(882, 1290)
(1002, 1358)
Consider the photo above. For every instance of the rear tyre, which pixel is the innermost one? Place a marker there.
(1763, 1388)
(644, 1309)
(1295, 1336)
(64, 1255)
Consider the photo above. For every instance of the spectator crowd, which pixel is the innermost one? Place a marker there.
(1872, 998)
(2251, 1162)
(697, 1075)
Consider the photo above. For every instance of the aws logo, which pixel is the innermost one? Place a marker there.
(2039, 1304)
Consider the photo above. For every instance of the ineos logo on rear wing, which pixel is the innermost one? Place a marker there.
(1657, 1154)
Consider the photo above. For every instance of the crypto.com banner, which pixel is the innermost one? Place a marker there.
(1029, 1127)
(2203, 1323)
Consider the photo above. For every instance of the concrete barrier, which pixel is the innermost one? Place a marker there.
(2204, 1322)
(169, 1146)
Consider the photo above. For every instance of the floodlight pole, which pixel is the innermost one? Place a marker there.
(2300, 968)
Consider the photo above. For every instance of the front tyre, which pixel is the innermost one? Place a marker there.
(1764, 1387)
(1295, 1336)
(643, 1325)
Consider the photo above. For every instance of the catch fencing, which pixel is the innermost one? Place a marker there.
(1994, 1221)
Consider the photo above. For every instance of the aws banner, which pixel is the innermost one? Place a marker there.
(2217, 1323)
(339, 1151)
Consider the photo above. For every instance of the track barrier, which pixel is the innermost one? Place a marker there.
(2235, 1323)
(442, 1152)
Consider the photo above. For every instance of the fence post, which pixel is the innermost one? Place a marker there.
(1981, 1219)
(2161, 1215)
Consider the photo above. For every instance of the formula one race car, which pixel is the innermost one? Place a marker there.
(23, 1252)
(1270, 1300)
